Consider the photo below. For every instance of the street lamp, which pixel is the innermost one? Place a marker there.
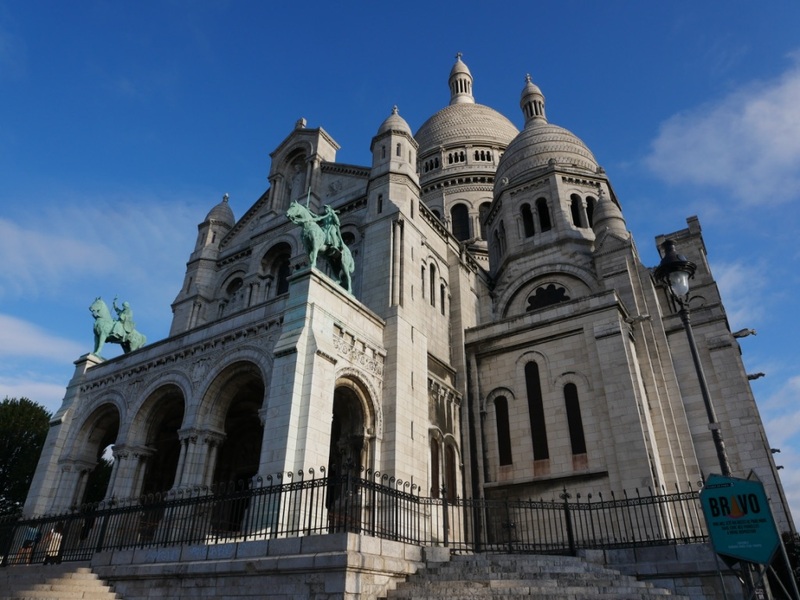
(675, 270)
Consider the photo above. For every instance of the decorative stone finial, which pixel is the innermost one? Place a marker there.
(301, 123)
(225, 197)
(394, 110)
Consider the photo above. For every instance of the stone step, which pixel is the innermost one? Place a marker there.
(53, 582)
(472, 577)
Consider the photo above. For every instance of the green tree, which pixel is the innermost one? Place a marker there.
(23, 430)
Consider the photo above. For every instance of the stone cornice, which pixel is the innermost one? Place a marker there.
(234, 257)
(342, 169)
(189, 351)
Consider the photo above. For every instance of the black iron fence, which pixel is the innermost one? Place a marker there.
(368, 503)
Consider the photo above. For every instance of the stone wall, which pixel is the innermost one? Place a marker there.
(337, 566)
(692, 570)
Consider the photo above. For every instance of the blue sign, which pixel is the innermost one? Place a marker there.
(739, 519)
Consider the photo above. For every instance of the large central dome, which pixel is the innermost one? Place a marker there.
(464, 120)
(459, 122)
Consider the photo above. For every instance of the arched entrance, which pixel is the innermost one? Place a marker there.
(101, 431)
(163, 440)
(348, 443)
(241, 395)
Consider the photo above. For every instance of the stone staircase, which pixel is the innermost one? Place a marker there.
(52, 582)
(508, 576)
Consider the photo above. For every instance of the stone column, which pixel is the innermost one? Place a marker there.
(212, 440)
(126, 476)
(71, 485)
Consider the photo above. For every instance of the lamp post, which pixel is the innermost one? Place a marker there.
(675, 270)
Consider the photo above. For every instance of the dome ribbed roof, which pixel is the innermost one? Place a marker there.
(222, 213)
(459, 123)
(538, 144)
(394, 122)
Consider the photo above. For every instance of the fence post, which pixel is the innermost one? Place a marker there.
(565, 496)
(7, 535)
(445, 517)
(102, 536)
(511, 527)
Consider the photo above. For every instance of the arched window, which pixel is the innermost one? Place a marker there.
(282, 273)
(460, 217)
(383, 151)
(483, 210)
(441, 298)
(435, 485)
(450, 479)
(437, 214)
(234, 286)
(536, 411)
(433, 285)
(574, 421)
(399, 150)
(590, 204)
(422, 276)
(575, 207)
(547, 296)
(277, 264)
(544, 215)
(527, 220)
(503, 430)
(380, 203)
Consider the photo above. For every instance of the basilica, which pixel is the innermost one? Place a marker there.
(494, 334)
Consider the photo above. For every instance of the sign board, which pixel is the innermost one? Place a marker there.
(739, 519)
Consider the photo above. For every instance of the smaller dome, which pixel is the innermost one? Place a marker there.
(222, 213)
(394, 122)
(460, 67)
(540, 143)
(608, 217)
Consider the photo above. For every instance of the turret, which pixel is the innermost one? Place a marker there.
(188, 309)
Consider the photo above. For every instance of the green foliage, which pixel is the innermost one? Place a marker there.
(23, 430)
(792, 543)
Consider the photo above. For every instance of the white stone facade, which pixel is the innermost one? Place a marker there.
(503, 337)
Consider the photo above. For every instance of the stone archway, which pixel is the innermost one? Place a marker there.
(241, 395)
(100, 433)
(348, 447)
(163, 441)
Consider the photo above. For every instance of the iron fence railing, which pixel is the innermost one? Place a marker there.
(369, 503)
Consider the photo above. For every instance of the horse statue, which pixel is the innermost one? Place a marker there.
(120, 331)
(322, 235)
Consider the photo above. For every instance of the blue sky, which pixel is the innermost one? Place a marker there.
(122, 124)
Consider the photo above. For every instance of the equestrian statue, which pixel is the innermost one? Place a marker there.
(322, 235)
(121, 330)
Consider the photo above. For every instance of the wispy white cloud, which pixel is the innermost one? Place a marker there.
(781, 415)
(746, 144)
(742, 287)
(89, 241)
(22, 339)
(37, 260)
(48, 395)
